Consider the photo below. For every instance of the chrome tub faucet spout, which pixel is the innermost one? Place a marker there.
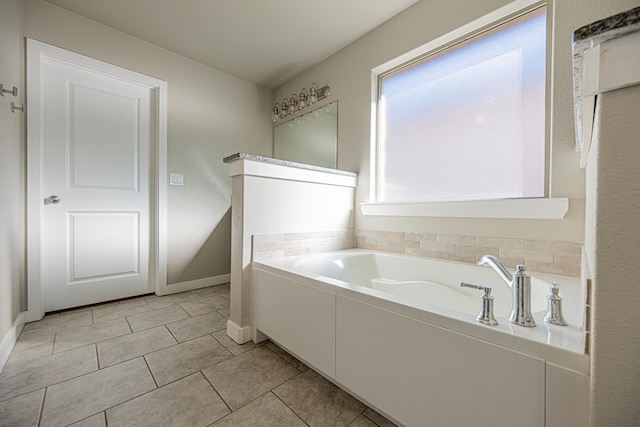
(520, 284)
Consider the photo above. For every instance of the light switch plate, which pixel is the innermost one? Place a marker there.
(176, 179)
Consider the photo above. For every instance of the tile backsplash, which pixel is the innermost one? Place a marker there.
(282, 245)
(539, 255)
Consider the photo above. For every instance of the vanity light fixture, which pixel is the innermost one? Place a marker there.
(302, 99)
(293, 103)
(313, 94)
(276, 113)
(284, 108)
(330, 108)
(298, 101)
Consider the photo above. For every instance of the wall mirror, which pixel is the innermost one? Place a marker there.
(311, 138)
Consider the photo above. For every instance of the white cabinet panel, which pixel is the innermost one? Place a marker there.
(421, 374)
(301, 318)
(567, 397)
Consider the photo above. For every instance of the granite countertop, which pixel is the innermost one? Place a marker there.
(287, 163)
(608, 28)
(591, 35)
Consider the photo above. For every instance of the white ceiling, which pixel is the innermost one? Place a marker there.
(262, 41)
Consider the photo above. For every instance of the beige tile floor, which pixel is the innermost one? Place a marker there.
(163, 361)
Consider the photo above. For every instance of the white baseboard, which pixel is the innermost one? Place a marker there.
(239, 334)
(258, 336)
(197, 284)
(10, 339)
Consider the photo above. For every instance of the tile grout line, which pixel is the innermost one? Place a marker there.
(53, 344)
(365, 415)
(221, 343)
(166, 325)
(231, 411)
(178, 343)
(146, 354)
(281, 357)
(128, 400)
(172, 336)
(285, 403)
(102, 340)
(59, 382)
(361, 414)
(150, 373)
(126, 319)
(95, 346)
(44, 396)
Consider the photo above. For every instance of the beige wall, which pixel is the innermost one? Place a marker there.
(348, 73)
(11, 169)
(211, 114)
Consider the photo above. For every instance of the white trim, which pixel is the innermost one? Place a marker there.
(506, 208)
(373, 143)
(36, 52)
(238, 334)
(197, 284)
(616, 64)
(611, 65)
(161, 92)
(488, 20)
(10, 339)
(268, 170)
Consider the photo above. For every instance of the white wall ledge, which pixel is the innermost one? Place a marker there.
(602, 63)
(263, 169)
(504, 208)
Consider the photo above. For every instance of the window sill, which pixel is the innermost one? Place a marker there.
(504, 208)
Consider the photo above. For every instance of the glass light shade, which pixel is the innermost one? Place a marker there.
(293, 104)
(302, 103)
(313, 94)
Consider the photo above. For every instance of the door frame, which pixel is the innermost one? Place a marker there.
(36, 53)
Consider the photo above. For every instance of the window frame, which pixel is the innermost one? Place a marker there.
(539, 207)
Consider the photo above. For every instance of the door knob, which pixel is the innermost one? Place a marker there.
(52, 200)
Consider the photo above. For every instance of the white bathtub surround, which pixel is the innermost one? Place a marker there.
(275, 196)
(433, 287)
(348, 299)
(544, 256)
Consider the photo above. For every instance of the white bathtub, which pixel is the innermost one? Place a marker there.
(434, 286)
(386, 326)
(416, 281)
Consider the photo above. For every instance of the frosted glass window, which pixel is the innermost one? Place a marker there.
(468, 122)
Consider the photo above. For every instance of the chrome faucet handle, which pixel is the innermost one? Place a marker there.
(554, 313)
(486, 316)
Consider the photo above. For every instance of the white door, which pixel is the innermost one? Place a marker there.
(96, 229)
